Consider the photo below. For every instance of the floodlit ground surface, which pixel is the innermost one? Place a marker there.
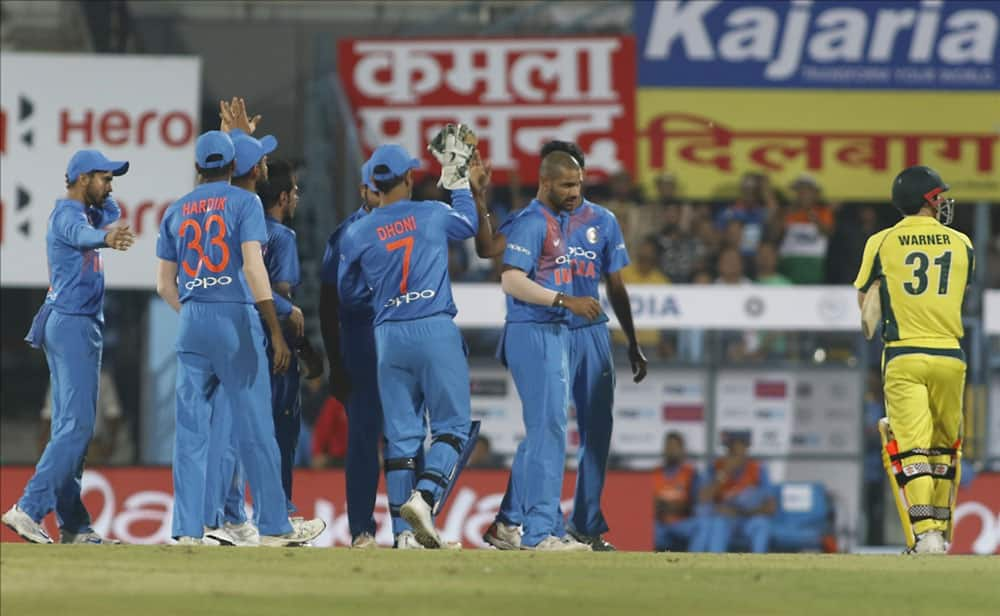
(154, 580)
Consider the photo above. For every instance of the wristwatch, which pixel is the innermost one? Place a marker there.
(558, 301)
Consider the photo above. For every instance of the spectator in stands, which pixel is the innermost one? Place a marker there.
(666, 189)
(681, 252)
(874, 474)
(735, 502)
(329, 444)
(644, 269)
(852, 228)
(756, 208)
(482, 455)
(674, 493)
(805, 228)
(624, 199)
(767, 266)
(730, 267)
(773, 345)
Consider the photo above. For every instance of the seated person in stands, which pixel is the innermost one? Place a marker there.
(735, 503)
(674, 491)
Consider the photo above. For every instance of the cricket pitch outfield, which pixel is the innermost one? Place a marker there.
(172, 580)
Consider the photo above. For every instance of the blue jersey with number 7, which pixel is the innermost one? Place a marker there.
(400, 252)
(203, 233)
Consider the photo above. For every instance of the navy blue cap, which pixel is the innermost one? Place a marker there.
(395, 158)
(86, 161)
(366, 175)
(216, 145)
(250, 150)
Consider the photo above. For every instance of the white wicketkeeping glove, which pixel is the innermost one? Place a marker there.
(453, 146)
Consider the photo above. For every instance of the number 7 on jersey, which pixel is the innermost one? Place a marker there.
(407, 244)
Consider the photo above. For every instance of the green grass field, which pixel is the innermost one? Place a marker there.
(147, 580)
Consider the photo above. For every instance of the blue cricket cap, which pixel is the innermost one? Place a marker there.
(214, 149)
(250, 150)
(394, 158)
(86, 161)
(366, 175)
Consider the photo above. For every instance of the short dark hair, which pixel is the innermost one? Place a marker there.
(558, 162)
(216, 173)
(385, 186)
(80, 175)
(280, 179)
(674, 436)
(564, 146)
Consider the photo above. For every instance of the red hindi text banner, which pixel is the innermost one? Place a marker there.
(516, 93)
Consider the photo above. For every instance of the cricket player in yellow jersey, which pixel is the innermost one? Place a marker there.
(921, 268)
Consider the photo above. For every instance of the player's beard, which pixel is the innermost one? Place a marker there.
(562, 205)
(92, 199)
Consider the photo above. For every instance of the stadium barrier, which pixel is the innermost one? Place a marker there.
(134, 505)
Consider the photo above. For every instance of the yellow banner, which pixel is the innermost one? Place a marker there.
(853, 143)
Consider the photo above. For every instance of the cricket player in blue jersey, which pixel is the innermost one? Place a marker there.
(211, 270)
(68, 328)
(349, 337)
(398, 257)
(596, 249)
(538, 280)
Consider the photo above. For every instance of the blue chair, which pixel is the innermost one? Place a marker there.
(803, 518)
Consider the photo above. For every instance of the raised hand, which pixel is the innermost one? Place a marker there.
(234, 115)
(453, 147)
(120, 238)
(480, 173)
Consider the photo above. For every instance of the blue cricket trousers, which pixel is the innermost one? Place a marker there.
(536, 354)
(73, 346)
(364, 429)
(422, 361)
(592, 373)
(223, 345)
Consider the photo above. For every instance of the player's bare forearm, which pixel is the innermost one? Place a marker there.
(166, 284)
(620, 303)
(485, 239)
(284, 289)
(270, 316)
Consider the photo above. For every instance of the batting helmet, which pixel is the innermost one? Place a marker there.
(916, 187)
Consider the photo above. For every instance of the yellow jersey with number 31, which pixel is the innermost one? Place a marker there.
(924, 268)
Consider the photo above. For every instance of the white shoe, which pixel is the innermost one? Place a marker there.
(931, 542)
(189, 541)
(503, 536)
(302, 533)
(555, 544)
(244, 535)
(364, 541)
(22, 524)
(417, 512)
(217, 536)
(88, 537)
(406, 540)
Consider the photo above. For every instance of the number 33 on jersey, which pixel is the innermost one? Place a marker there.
(925, 268)
(203, 232)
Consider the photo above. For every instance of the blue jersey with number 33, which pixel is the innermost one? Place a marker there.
(203, 233)
(400, 252)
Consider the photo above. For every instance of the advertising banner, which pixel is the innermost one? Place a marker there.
(852, 142)
(824, 308)
(52, 105)
(516, 93)
(134, 505)
(881, 45)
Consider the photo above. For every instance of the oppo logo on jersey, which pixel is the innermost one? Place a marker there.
(409, 297)
(207, 282)
(576, 251)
